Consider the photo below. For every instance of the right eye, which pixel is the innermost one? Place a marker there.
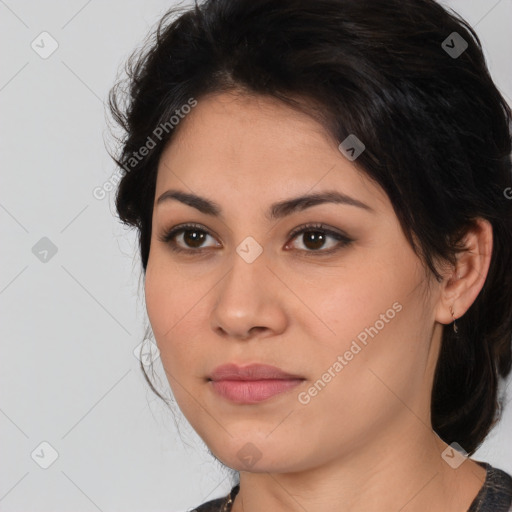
(192, 236)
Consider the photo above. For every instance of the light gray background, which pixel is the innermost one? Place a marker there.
(70, 324)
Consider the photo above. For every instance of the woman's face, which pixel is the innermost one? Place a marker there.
(353, 320)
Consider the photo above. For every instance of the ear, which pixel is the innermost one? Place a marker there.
(460, 289)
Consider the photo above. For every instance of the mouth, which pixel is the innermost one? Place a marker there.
(254, 391)
(250, 372)
(252, 383)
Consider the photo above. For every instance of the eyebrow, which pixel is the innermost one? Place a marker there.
(276, 211)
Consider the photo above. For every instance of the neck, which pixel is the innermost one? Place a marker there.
(406, 474)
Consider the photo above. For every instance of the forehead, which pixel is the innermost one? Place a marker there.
(227, 125)
(253, 145)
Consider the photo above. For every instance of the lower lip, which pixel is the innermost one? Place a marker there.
(253, 391)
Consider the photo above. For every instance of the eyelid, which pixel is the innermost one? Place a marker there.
(171, 233)
(342, 238)
(311, 226)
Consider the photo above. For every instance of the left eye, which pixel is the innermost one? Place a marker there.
(193, 236)
(315, 236)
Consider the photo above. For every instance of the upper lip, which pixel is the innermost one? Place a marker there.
(253, 371)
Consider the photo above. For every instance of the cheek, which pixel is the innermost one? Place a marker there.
(165, 305)
(157, 301)
(164, 312)
(168, 294)
(176, 310)
(373, 318)
(345, 302)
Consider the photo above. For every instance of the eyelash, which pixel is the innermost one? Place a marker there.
(168, 236)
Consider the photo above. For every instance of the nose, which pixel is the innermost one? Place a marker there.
(249, 301)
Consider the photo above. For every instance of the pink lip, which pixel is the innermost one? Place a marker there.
(250, 392)
(253, 371)
(252, 383)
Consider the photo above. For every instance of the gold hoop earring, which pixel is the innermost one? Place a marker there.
(455, 329)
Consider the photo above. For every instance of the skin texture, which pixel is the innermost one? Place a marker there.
(364, 441)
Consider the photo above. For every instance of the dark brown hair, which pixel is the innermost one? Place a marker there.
(435, 127)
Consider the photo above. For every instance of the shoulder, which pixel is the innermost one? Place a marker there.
(496, 493)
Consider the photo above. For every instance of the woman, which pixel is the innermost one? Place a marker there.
(320, 192)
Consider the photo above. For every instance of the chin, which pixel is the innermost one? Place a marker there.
(256, 454)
